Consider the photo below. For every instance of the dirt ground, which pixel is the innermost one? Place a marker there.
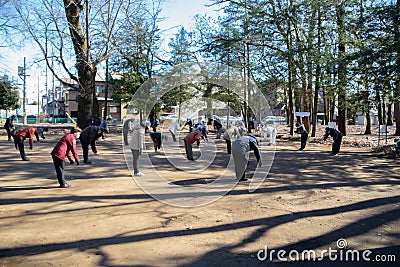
(309, 201)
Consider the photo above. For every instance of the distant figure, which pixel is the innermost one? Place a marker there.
(127, 126)
(66, 147)
(202, 128)
(304, 134)
(21, 136)
(155, 124)
(104, 128)
(173, 130)
(41, 130)
(157, 138)
(271, 132)
(88, 136)
(337, 139)
(397, 147)
(9, 126)
(190, 139)
(136, 146)
(189, 123)
(218, 128)
(229, 134)
(240, 147)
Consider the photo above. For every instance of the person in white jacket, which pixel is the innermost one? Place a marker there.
(271, 132)
(229, 134)
(173, 130)
(136, 146)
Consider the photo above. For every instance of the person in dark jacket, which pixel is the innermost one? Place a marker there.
(337, 139)
(189, 123)
(88, 136)
(9, 126)
(218, 128)
(304, 135)
(240, 147)
(155, 124)
(66, 147)
(20, 137)
(203, 129)
(41, 130)
(157, 138)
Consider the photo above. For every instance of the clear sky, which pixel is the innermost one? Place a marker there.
(176, 13)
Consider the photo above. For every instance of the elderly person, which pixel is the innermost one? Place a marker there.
(240, 147)
(88, 136)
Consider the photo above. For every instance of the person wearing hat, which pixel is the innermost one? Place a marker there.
(240, 147)
(9, 126)
(88, 136)
(337, 139)
(66, 147)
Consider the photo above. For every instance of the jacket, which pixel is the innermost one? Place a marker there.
(193, 137)
(332, 132)
(66, 147)
(28, 133)
(9, 123)
(231, 132)
(90, 133)
(137, 138)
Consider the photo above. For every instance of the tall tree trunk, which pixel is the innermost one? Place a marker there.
(317, 74)
(86, 70)
(342, 93)
(396, 28)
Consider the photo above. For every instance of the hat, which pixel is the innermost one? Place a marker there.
(75, 129)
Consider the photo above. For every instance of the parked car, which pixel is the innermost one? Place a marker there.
(274, 120)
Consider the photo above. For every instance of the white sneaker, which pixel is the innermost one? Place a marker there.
(139, 174)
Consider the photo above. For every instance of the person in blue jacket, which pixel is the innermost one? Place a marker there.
(240, 147)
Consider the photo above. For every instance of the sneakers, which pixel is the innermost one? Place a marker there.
(65, 186)
(26, 159)
(139, 174)
(87, 162)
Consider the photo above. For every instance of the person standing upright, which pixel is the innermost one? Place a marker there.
(20, 137)
(66, 147)
(136, 146)
(127, 126)
(9, 126)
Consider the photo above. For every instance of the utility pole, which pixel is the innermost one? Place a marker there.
(22, 75)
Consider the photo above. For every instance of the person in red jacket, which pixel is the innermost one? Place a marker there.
(189, 140)
(66, 147)
(20, 137)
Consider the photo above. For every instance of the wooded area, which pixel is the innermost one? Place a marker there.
(311, 56)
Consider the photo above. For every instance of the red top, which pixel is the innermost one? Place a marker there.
(27, 133)
(66, 147)
(193, 137)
